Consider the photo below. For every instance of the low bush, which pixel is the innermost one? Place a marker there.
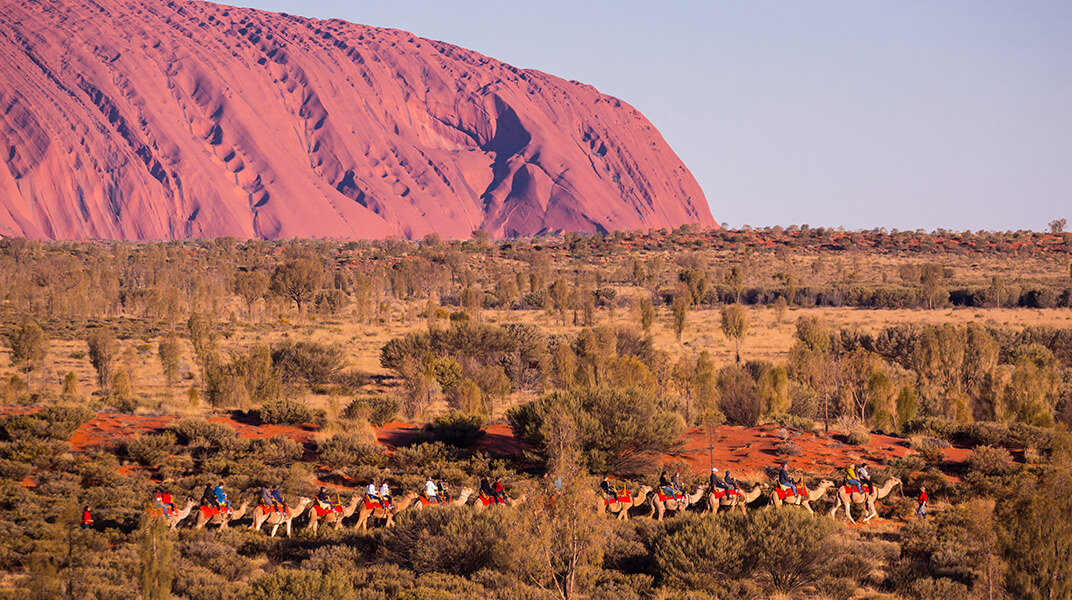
(990, 460)
(933, 427)
(346, 449)
(457, 429)
(288, 411)
(788, 448)
(793, 421)
(198, 432)
(150, 449)
(378, 410)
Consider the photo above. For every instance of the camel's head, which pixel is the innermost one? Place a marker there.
(467, 491)
(826, 483)
(646, 489)
(302, 501)
(411, 495)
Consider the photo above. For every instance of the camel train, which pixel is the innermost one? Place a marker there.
(658, 503)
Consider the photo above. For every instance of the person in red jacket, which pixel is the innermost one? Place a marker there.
(922, 510)
(87, 519)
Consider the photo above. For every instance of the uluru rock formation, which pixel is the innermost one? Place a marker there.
(153, 119)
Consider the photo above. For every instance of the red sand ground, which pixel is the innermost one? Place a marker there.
(744, 450)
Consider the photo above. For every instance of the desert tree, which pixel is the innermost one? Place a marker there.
(779, 310)
(679, 309)
(647, 313)
(170, 352)
(735, 280)
(154, 555)
(102, 353)
(28, 344)
(1058, 225)
(297, 280)
(734, 325)
(250, 286)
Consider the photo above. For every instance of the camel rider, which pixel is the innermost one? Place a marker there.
(716, 481)
(785, 481)
(444, 492)
(608, 489)
(166, 500)
(731, 483)
(221, 497)
(385, 494)
(679, 489)
(372, 492)
(498, 491)
(865, 479)
(324, 500)
(278, 501)
(431, 491)
(485, 488)
(851, 478)
(664, 485)
(266, 498)
(209, 497)
(158, 501)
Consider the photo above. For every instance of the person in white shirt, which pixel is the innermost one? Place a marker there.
(371, 492)
(385, 494)
(431, 491)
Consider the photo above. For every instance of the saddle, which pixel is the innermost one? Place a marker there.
(370, 504)
(212, 511)
(623, 499)
(854, 489)
(784, 492)
(718, 494)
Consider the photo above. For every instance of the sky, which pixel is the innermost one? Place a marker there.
(911, 114)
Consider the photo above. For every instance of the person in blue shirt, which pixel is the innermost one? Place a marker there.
(785, 480)
(221, 497)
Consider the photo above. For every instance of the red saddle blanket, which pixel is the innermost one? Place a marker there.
(320, 511)
(626, 499)
(719, 493)
(425, 501)
(489, 501)
(212, 511)
(271, 509)
(853, 489)
(372, 504)
(663, 497)
(788, 492)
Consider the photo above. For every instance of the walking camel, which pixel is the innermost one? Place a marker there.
(276, 518)
(622, 508)
(805, 501)
(741, 500)
(459, 501)
(379, 512)
(175, 518)
(672, 504)
(868, 500)
(331, 516)
(221, 518)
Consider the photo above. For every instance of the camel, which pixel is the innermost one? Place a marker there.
(221, 519)
(868, 500)
(275, 518)
(813, 495)
(174, 519)
(479, 504)
(732, 501)
(380, 513)
(621, 508)
(332, 516)
(460, 500)
(672, 504)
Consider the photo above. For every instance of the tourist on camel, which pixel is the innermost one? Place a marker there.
(608, 489)
(167, 501)
(731, 483)
(324, 499)
(278, 500)
(485, 488)
(785, 481)
(865, 479)
(851, 478)
(431, 490)
(664, 485)
(372, 492)
(158, 501)
(221, 497)
(266, 498)
(498, 491)
(444, 492)
(385, 494)
(208, 499)
(716, 481)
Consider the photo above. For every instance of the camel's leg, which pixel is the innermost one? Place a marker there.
(807, 505)
(833, 511)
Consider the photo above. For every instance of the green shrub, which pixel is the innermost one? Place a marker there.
(150, 449)
(276, 451)
(793, 421)
(419, 456)
(287, 411)
(932, 426)
(311, 362)
(378, 410)
(297, 584)
(198, 432)
(457, 542)
(345, 449)
(457, 429)
(990, 460)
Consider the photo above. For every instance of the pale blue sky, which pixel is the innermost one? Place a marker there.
(952, 114)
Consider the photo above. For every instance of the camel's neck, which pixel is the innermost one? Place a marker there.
(818, 492)
(693, 499)
(641, 496)
(294, 512)
(888, 487)
(463, 497)
(405, 502)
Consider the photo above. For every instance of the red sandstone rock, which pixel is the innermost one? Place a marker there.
(145, 119)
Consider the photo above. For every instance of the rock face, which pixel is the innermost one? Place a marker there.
(152, 119)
